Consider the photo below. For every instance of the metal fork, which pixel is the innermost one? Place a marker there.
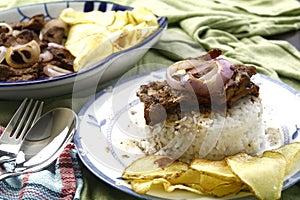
(14, 134)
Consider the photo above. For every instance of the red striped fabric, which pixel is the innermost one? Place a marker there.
(61, 180)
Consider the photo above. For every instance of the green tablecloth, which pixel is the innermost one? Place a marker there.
(238, 27)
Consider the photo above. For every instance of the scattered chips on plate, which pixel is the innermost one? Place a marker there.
(262, 175)
(291, 153)
(95, 35)
(150, 167)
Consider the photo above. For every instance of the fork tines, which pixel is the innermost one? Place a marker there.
(26, 115)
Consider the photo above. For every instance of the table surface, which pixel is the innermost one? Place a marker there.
(291, 37)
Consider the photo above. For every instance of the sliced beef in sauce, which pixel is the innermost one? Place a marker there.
(161, 101)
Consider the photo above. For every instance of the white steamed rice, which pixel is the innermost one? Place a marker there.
(242, 131)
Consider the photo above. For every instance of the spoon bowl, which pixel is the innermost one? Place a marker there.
(45, 141)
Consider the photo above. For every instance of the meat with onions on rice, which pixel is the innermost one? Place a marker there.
(207, 101)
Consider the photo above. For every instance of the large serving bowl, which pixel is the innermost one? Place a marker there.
(84, 80)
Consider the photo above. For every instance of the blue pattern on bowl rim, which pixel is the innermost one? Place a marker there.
(25, 12)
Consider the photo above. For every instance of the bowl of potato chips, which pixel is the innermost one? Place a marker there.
(104, 40)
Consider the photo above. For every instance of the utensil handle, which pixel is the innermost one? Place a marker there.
(4, 159)
(8, 174)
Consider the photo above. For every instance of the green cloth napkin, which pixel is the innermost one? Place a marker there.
(238, 27)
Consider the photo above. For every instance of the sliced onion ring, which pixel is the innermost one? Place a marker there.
(27, 54)
(3, 50)
(226, 69)
(52, 71)
(46, 56)
(199, 76)
(10, 29)
(55, 45)
(183, 65)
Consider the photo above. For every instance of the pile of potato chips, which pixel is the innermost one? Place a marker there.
(95, 35)
(262, 175)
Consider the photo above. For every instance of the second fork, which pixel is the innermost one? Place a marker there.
(13, 135)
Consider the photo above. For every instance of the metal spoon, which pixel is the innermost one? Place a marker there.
(45, 141)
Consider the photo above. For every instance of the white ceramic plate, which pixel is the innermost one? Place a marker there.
(109, 123)
(112, 66)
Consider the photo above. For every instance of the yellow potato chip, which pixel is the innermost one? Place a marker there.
(91, 53)
(142, 14)
(263, 175)
(120, 21)
(218, 169)
(209, 183)
(228, 189)
(80, 34)
(104, 19)
(151, 167)
(144, 186)
(131, 35)
(292, 154)
(141, 186)
(71, 17)
(189, 176)
(220, 190)
(131, 19)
